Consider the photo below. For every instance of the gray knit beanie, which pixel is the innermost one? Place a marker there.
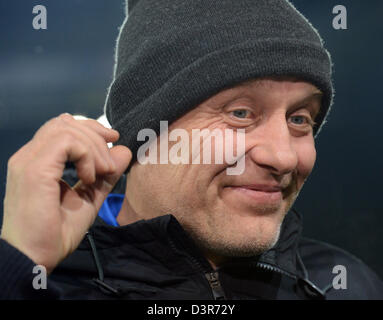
(172, 55)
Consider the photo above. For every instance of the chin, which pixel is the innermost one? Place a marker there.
(241, 237)
(254, 240)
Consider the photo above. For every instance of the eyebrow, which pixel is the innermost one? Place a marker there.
(317, 95)
(238, 90)
(314, 95)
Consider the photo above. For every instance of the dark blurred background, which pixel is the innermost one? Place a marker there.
(68, 67)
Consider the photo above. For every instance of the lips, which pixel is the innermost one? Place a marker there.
(262, 187)
(261, 193)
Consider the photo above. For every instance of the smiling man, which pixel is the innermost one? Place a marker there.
(235, 215)
(129, 230)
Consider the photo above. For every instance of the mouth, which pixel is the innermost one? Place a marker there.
(262, 194)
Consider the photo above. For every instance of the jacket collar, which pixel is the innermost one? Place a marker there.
(167, 230)
(284, 254)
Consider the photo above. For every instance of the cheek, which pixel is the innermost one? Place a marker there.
(306, 153)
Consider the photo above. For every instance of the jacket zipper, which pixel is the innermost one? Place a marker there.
(211, 276)
(217, 289)
(269, 267)
(215, 285)
(219, 294)
(311, 289)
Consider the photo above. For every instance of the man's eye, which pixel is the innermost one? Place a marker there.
(240, 113)
(298, 119)
(301, 120)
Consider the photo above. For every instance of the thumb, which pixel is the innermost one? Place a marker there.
(121, 157)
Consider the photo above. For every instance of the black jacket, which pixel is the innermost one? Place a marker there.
(156, 259)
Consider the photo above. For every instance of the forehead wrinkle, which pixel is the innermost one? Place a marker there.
(231, 93)
(242, 89)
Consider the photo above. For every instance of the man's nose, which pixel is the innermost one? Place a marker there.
(273, 148)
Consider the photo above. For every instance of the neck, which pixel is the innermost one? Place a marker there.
(214, 260)
(127, 214)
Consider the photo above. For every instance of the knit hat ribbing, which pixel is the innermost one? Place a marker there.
(173, 54)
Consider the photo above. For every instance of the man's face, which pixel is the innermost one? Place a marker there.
(237, 215)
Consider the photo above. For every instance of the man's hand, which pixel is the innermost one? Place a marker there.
(43, 216)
